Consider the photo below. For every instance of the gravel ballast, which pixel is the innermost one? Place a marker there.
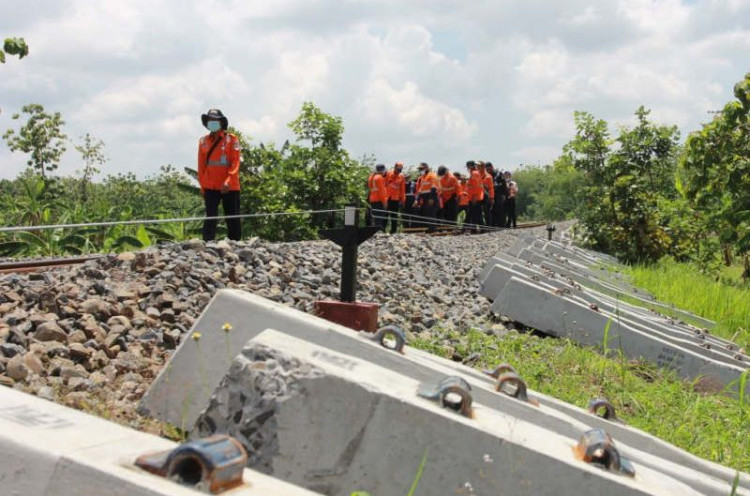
(95, 335)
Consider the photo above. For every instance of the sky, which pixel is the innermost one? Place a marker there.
(439, 81)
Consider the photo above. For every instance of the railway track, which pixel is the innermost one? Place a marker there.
(40, 265)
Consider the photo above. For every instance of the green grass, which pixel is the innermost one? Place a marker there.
(725, 301)
(711, 426)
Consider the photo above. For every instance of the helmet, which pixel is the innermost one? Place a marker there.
(215, 115)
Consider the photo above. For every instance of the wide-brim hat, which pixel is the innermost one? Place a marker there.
(215, 114)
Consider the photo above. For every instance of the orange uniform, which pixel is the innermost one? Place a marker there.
(489, 184)
(376, 185)
(426, 182)
(463, 194)
(396, 185)
(222, 168)
(475, 187)
(448, 187)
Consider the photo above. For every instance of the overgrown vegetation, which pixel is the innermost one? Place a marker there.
(647, 398)
(720, 299)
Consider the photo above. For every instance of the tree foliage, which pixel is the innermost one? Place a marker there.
(14, 46)
(92, 155)
(549, 192)
(41, 137)
(625, 178)
(715, 171)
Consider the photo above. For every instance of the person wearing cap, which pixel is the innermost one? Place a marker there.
(427, 194)
(501, 195)
(396, 186)
(488, 184)
(219, 157)
(448, 187)
(476, 195)
(510, 202)
(378, 196)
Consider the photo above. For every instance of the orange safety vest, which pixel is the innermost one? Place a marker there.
(463, 194)
(378, 191)
(426, 183)
(476, 188)
(223, 166)
(489, 184)
(396, 184)
(448, 187)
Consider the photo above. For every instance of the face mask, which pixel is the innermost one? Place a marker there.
(213, 126)
(424, 171)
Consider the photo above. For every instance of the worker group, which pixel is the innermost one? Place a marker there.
(478, 200)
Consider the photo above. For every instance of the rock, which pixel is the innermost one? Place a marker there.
(46, 393)
(79, 384)
(50, 331)
(33, 363)
(77, 336)
(79, 352)
(126, 256)
(98, 308)
(153, 312)
(10, 350)
(16, 369)
(6, 381)
(66, 372)
(120, 320)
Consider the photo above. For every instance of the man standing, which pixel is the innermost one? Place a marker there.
(501, 194)
(427, 198)
(510, 202)
(219, 174)
(396, 185)
(476, 195)
(448, 193)
(378, 196)
(488, 184)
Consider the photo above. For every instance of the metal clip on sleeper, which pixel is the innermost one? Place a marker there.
(212, 465)
(453, 392)
(596, 447)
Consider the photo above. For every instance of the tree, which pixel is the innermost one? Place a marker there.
(715, 172)
(92, 154)
(625, 179)
(14, 46)
(41, 137)
(322, 176)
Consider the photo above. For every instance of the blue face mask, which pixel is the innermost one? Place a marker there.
(213, 126)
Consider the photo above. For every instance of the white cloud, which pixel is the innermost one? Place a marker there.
(138, 74)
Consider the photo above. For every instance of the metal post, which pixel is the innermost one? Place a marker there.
(349, 238)
(349, 257)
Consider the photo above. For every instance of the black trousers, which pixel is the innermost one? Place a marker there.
(487, 211)
(450, 209)
(428, 208)
(475, 215)
(510, 211)
(393, 209)
(377, 214)
(231, 203)
(498, 212)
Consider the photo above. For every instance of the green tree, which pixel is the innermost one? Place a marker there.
(14, 46)
(92, 154)
(625, 179)
(323, 175)
(41, 137)
(549, 192)
(715, 172)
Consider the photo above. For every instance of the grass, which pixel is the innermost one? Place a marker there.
(711, 426)
(723, 300)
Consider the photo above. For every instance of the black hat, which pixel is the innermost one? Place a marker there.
(423, 165)
(489, 164)
(471, 164)
(215, 114)
(380, 168)
(442, 170)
